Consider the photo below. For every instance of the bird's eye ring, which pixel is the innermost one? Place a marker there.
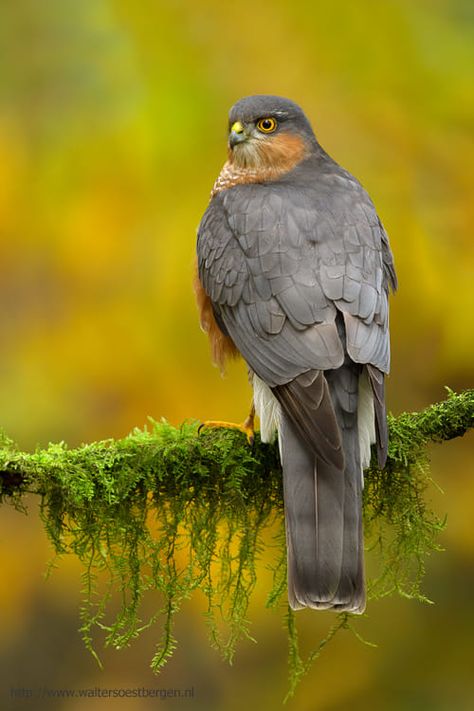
(267, 125)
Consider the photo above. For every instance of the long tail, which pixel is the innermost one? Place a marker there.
(323, 507)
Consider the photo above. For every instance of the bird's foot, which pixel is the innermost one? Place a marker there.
(246, 427)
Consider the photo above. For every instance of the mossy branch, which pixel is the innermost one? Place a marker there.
(160, 451)
(171, 510)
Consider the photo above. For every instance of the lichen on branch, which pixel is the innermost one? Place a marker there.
(170, 510)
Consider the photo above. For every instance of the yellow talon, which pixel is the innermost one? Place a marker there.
(247, 427)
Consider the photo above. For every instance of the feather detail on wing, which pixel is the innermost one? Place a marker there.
(307, 402)
(279, 260)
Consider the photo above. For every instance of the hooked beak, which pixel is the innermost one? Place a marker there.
(237, 134)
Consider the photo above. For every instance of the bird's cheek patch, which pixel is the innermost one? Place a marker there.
(284, 151)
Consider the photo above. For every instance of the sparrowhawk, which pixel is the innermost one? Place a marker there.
(294, 270)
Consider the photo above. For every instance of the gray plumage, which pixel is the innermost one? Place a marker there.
(298, 271)
(323, 506)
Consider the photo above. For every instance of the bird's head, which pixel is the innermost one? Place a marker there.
(268, 132)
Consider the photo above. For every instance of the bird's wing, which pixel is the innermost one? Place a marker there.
(280, 261)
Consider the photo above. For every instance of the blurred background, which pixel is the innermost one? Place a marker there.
(113, 121)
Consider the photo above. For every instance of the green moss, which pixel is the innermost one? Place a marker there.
(169, 510)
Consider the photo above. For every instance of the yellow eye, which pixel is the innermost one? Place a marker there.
(267, 125)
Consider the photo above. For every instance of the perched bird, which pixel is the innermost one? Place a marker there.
(294, 270)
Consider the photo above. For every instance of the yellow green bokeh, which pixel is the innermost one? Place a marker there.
(113, 119)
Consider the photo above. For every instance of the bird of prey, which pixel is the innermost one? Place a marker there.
(293, 272)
